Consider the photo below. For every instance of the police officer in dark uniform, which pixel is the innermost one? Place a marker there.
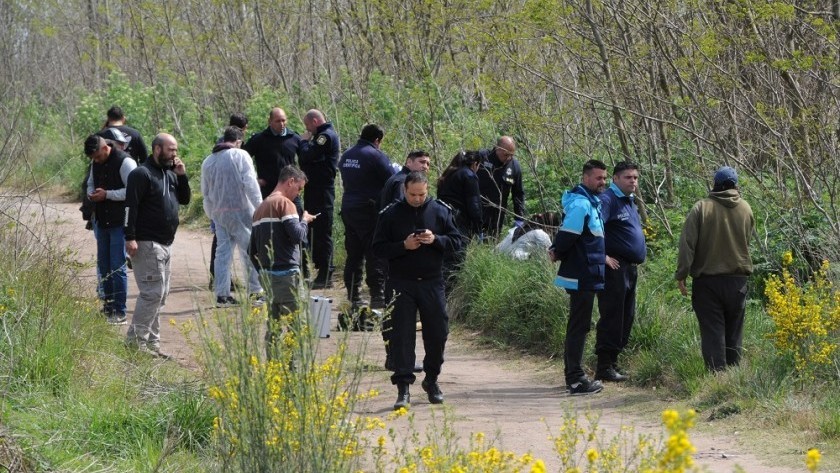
(414, 235)
(273, 149)
(364, 171)
(417, 160)
(500, 176)
(319, 151)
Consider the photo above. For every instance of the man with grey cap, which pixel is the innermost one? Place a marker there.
(714, 251)
(106, 183)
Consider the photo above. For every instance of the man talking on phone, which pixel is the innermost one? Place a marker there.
(153, 193)
(414, 234)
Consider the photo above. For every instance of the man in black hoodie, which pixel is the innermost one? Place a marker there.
(153, 193)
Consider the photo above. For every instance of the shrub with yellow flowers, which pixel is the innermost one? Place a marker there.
(806, 317)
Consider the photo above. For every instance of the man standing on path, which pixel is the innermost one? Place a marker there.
(318, 153)
(135, 147)
(579, 246)
(231, 194)
(392, 191)
(625, 246)
(109, 171)
(364, 171)
(714, 251)
(153, 193)
(500, 176)
(414, 235)
(273, 149)
(276, 237)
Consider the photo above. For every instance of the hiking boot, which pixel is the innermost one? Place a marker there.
(257, 299)
(403, 397)
(585, 386)
(155, 350)
(226, 301)
(610, 374)
(433, 390)
(116, 319)
(322, 281)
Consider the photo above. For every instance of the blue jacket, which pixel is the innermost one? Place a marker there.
(624, 238)
(579, 243)
(364, 171)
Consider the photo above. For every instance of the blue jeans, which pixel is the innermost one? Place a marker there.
(110, 265)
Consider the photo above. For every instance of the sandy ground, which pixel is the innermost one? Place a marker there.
(516, 401)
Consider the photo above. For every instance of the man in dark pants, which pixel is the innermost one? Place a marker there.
(714, 251)
(364, 171)
(499, 177)
(318, 153)
(414, 234)
(272, 149)
(624, 241)
(579, 245)
(135, 147)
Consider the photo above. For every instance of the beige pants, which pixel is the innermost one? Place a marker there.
(152, 270)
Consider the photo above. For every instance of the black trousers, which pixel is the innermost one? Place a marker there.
(320, 200)
(720, 304)
(359, 225)
(580, 322)
(493, 221)
(427, 297)
(617, 308)
(213, 257)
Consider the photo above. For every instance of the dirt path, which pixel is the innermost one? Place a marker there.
(511, 399)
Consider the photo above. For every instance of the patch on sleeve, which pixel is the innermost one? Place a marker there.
(321, 140)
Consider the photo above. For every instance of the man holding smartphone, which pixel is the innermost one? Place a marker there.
(414, 234)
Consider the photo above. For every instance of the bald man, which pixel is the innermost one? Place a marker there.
(319, 152)
(498, 177)
(153, 193)
(273, 149)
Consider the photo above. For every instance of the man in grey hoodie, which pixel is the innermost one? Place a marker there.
(714, 251)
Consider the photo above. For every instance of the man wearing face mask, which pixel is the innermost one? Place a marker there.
(499, 177)
(154, 191)
(273, 149)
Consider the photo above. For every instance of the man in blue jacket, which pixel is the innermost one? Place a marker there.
(364, 171)
(625, 247)
(579, 245)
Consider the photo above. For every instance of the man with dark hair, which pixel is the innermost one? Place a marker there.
(240, 121)
(624, 242)
(392, 191)
(364, 171)
(414, 235)
(153, 193)
(579, 246)
(136, 147)
(500, 176)
(714, 251)
(318, 153)
(107, 178)
(276, 237)
(231, 194)
(273, 149)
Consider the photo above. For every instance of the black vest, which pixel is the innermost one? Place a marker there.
(109, 213)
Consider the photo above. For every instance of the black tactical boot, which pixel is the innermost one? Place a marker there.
(403, 397)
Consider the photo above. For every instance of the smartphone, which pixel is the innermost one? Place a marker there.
(419, 231)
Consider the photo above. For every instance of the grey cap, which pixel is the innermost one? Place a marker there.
(114, 134)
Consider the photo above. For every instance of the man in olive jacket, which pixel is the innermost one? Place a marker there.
(714, 251)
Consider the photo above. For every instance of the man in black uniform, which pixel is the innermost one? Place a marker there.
(417, 161)
(500, 176)
(414, 234)
(318, 153)
(364, 171)
(135, 147)
(272, 149)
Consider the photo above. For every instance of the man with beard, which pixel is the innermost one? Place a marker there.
(153, 193)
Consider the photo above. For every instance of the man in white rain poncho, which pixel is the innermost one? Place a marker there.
(231, 194)
(532, 238)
